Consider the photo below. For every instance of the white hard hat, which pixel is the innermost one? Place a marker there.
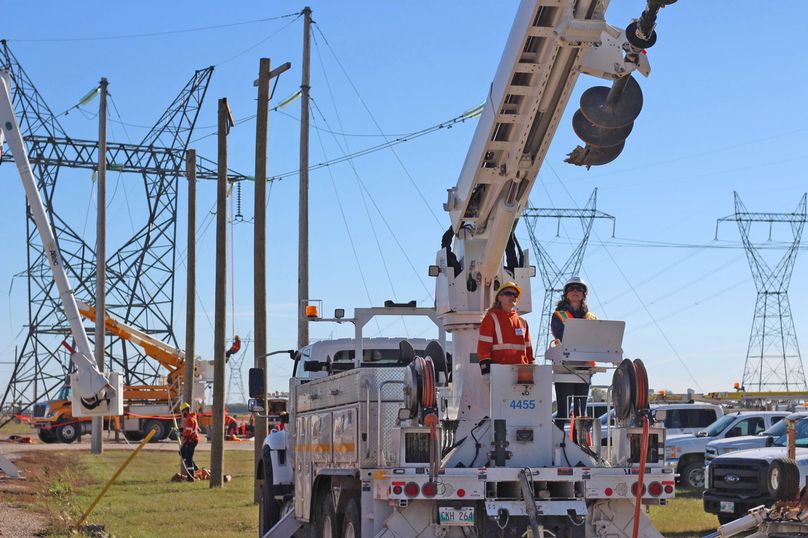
(576, 281)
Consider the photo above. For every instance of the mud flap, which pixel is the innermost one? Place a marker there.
(616, 518)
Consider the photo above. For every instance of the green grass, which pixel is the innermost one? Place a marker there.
(143, 502)
(684, 517)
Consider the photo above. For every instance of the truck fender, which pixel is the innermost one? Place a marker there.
(275, 445)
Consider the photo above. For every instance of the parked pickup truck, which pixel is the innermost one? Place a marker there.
(685, 453)
(720, 447)
(744, 479)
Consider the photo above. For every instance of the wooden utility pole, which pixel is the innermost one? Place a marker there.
(260, 247)
(190, 298)
(97, 441)
(260, 254)
(303, 231)
(217, 428)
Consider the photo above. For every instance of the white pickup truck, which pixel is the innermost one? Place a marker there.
(685, 453)
(744, 479)
(766, 438)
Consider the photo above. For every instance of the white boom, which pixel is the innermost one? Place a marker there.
(93, 393)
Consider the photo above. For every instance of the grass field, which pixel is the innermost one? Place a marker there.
(12, 428)
(143, 502)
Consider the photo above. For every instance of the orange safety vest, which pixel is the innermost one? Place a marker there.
(504, 339)
(189, 428)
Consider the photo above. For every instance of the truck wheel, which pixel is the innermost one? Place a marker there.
(133, 437)
(327, 526)
(269, 509)
(352, 523)
(68, 433)
(784, 479)
(47, 436)
(160, 426)
(693, 474)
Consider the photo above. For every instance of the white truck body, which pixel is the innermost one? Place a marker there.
(720, 447)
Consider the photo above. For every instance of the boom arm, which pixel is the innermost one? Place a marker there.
(168, 356)
(96, 393)
(550, 44)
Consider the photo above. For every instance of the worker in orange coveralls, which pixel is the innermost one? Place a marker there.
(234, 347)
(504, 335)
(190, 438)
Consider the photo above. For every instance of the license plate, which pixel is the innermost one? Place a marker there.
(456, 516)
(726, 506)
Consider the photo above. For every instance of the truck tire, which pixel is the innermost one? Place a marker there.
(352, 522)
(68, 433)
(269, 509)
(692, 474)
(133, 436)
(47, 435)
(160, 426)
(327, 524)
(783, 479)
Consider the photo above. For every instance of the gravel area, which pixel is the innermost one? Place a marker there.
(19, 523)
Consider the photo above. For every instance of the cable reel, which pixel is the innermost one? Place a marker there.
(630, 388)
(420, 387)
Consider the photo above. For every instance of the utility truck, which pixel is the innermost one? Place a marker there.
(423, 445)
(146, 407)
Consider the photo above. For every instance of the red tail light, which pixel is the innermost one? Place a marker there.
(429, 489)
(634, 487)
(655, 489)
(411, 489)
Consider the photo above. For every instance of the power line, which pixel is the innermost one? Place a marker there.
(152, 34)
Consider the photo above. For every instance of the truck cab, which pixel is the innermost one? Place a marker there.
(739, 481)
(720, 447)
(686, 453)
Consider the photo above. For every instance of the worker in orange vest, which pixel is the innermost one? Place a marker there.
(572, 305)
(190, 438)
(504, 336)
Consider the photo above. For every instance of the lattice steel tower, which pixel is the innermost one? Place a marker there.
(553, 276)
(773, 360)
(140, 281)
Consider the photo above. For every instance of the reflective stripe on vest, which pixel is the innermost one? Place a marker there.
(497, 328)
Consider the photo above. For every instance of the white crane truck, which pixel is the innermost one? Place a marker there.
(93, 392)
(420, 444)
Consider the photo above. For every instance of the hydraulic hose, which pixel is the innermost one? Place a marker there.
(641, 476)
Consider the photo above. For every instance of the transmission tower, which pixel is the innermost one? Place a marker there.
(140, 281)
(235, 382)
(553, 276)
(773, 360)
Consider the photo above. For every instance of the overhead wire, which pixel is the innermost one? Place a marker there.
(634, 291)
(319, 31)
(347, 149)
(261, 42)
(153, 34)
(347, 229)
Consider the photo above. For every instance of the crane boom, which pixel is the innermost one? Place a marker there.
(94, 393)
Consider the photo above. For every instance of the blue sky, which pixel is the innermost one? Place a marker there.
(722, 113)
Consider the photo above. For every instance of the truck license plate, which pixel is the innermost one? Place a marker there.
(727, 506)
(456, 516)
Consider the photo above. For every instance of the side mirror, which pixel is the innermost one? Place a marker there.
(255, 406)
(314, 366)
(769, 441)
(257, 385)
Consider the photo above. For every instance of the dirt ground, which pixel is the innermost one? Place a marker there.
(37, 462)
